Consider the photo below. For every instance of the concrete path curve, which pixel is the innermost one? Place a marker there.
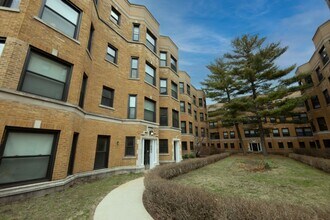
(123, 203)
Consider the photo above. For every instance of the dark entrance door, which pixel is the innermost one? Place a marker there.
(147, 153)
(175, 146)
(102, 152)
(73, 153)
(255, 147)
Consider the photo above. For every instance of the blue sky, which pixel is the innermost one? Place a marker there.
(203, 29)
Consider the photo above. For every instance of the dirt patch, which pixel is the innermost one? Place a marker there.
(255, 165)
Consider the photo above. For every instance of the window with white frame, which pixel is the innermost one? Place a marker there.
(163, 86)
(134, 68)
(150, 74)
(163, 59)
(132, 106)
(151, 41)
(115, 15)
(136, 32)
(112, 54)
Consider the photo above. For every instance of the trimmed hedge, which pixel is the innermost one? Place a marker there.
(165, 199)
(322, 153)
(319, 163)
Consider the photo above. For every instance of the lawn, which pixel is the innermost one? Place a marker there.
(77, 202)
(285, 180)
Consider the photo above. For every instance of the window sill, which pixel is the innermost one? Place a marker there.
(58, 31)
(177, 100)
(134, 79)
(129, 157)
(164, 154)
(115, 64)
(9, 9)
(155, 87)
(163, 95)
(106, 107)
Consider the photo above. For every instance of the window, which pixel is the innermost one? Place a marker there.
(290, 145)
(318, 144)
(184, 145)
(163, 59)
(190, 128)
(150, 74)
(189, 108)
(195, 115)
(282, 119)
(326, 96)
(163, 117)
(307, 105)
(322, 124)
(163, 146)
(304, 132)
(107, 96)
(218, 145)
(232, 134)
(102, 152)
(319, 74)
(115, 15)
(312, 144)
(232, 145)
(326, 143)
(309, 80)
(203, 132)
(61, 15)
(188, 89)
(112, 54)
(130, 146)
(131, 107)
(280, 145)
(272, 120)
(174, 90)
(134, 68)
(302, 144)
(285, 132)
(215, 136)
(200, 102)
(201, 116)
(276, 132)
(46, 77)
(9, 3)
(191, 145)
(149, 110)
(324, 55)
(315, 102)
(136, 32)
(151, 41)
(183, 127)
(225, 135)
(226, 145)
(90, 39)
(27, 155)
(2, 44)
(181, 87)
(73, 153)
(251, 133)
(196, 131)
(173, 64)
(163, 86)
(83, 90)
(213, 124)
(270, 145)
(175, 119)
(182, 106)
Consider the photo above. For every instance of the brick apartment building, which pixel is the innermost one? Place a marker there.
(87, 87)
(307, 128)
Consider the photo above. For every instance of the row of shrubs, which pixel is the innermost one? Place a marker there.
(165, 199)
(324, 153)
(319, 163)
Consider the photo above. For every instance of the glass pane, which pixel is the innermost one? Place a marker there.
(149, 79)
(163, 83)
(136, 30)
(163, 63)
(114, 15)
(15, 3)
(2, 45)
(106, 101)
(107, 93)
(148, 115)
(22, 169)
(47, 67)
(134, 63)
(149, 105)
(23, 144)
(42, 86)
(111, 51)
(151, 39)
(110, 58)
(150, 70)
(63, 9)
(132, 101)
(134, 73)
(58, 22)
(100, 161)
(132, 113)
(163, 56)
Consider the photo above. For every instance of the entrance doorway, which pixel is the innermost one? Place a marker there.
(255, 147)
(146, 154)
(176, 151)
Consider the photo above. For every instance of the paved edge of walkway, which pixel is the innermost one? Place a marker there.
(124, 203)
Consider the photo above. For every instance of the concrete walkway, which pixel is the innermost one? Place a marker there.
(123, 203)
